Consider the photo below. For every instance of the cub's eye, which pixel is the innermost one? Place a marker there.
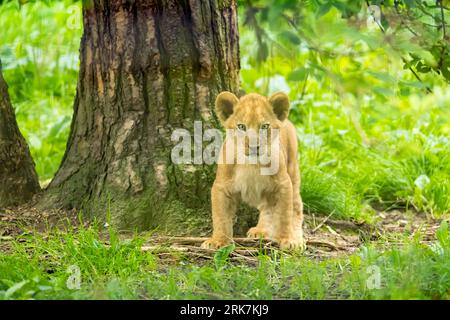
(241, 127)
(265, 126)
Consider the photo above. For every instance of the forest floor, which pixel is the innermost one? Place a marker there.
(326, 237)
(41, 250)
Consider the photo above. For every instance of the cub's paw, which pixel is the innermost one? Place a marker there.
(256, 232)
(215, 243)
(295, 244)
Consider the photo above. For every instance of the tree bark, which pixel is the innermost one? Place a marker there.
(18, 178)
(147, 67)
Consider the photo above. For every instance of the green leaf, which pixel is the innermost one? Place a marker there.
(263, 53)
(221, 256)
(423, 68)
(383, 91)
(290, 36)
(16, 287)
(410, 63)
(348, 8)
(298, 74)
(323, 9)
(414, 84)
(382, 76)
(410, 3)
(445, 69)
(443, 235)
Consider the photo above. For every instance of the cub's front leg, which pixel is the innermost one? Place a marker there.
(283, 216)
(264, 226)
(223, 210)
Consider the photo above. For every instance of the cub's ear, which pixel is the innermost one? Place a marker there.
(280, 105)
(225, 103)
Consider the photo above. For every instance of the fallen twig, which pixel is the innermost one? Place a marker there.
(344, 224)
(322, 223)
(199, 240)
(191, 244)
(323, 243)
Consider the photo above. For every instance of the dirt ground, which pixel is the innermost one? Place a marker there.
(326, 237)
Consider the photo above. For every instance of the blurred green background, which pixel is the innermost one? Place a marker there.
(372, 136)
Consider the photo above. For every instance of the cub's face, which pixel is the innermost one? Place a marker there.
(254, 118)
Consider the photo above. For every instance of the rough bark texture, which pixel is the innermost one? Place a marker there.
(147, 68)
(18, 178)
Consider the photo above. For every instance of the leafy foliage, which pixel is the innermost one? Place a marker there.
(413, 30)
(371, 119)
(39, 50)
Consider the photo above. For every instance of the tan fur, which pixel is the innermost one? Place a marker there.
(277, 197)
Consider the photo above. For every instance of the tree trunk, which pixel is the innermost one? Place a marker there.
(147, 67)
(18, 178)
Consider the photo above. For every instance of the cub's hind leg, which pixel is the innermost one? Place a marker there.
(298, 217)
(297, 204)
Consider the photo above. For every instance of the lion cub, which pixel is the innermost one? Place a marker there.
(274, 192)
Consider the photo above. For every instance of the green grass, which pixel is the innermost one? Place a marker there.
(39, 268)
(324, 193)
